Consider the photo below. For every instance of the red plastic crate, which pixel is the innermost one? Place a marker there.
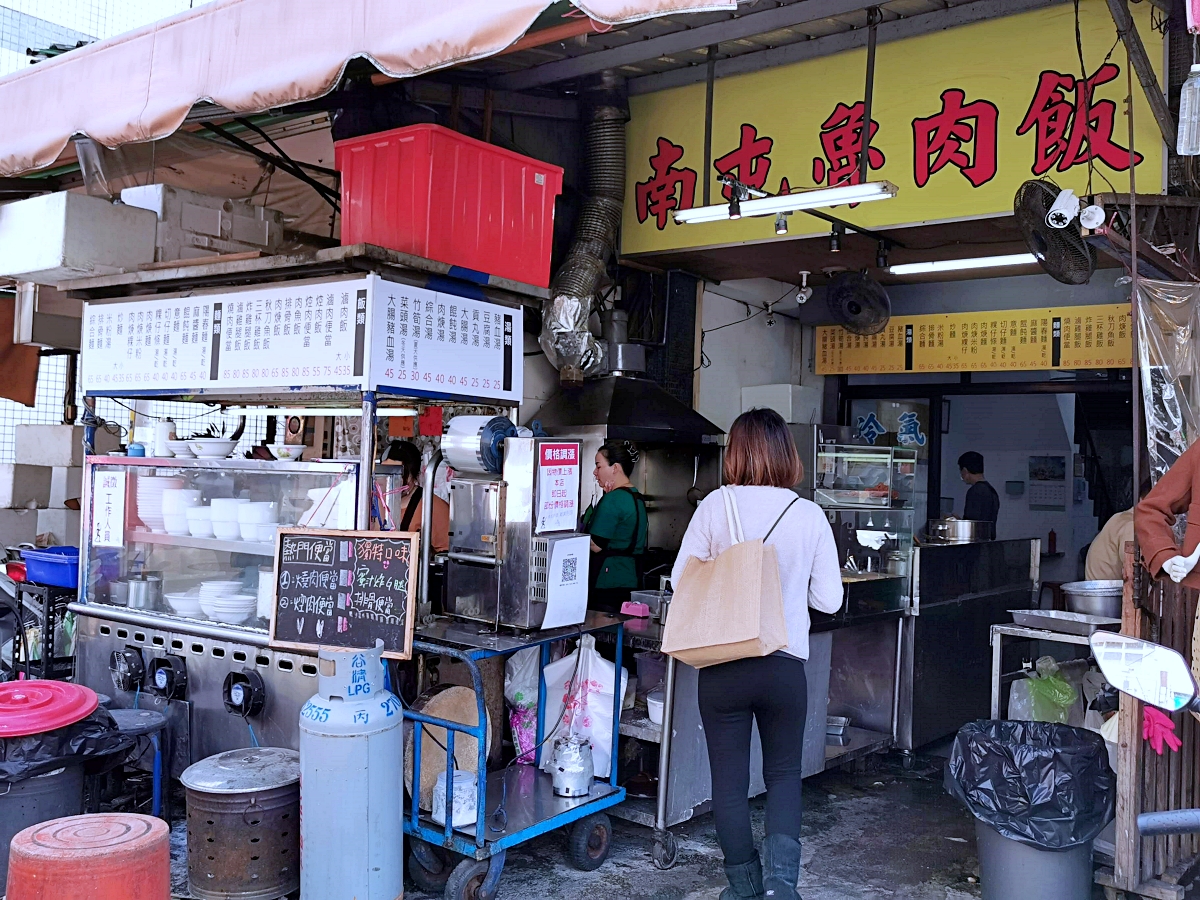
(433, 192)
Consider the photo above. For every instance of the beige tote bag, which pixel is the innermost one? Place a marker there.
(730, 607)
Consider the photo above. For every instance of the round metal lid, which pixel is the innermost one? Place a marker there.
(243, 771)
(33, 707)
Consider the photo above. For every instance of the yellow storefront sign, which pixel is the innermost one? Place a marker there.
(1069, 337)
(960, 118)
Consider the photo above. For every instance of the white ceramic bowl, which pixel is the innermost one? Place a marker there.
(258, 512)
(201, 528)
(185, 603)
(248, 531)
(175, 524)
(225, 509)
(182, 449)
(198, 513)
(266, 532)
(226, 531)
(231, 617)
(176, 500)
(288, 452)
(212, 448)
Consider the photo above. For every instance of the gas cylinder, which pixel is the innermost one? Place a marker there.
(351, 801)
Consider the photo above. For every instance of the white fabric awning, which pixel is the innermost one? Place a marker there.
(249, 56)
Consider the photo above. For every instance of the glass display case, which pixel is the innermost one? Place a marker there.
(854, 475)
(194, 539)
(875, 548)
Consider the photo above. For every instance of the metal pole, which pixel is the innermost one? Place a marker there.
(664, 748)
(708, 114)
(366, 462)
(424, 608)
(864, 163)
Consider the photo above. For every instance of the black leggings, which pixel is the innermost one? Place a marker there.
(774, 691)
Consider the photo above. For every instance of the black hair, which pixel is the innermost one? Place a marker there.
(621, 453)
(409, 457)
(972, 462)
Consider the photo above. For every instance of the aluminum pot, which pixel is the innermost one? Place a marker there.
(1094, 598)
(959, 531)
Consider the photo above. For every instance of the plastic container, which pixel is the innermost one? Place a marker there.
(107, 856)
(1188, 141)
(1009, 869)
(433, 192)
(57, 566)
(651, 669)
(654, 707)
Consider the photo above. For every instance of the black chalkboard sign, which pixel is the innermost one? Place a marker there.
(345, 589)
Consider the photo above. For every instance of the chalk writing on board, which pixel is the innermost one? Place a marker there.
(345, 589)
(315, 551)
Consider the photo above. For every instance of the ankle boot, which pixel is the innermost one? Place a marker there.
(781, 867)
(745, 881)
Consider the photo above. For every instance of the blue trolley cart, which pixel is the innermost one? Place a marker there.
(517, 803)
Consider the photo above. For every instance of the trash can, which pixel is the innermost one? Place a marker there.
(1040, 793)
(49, 732)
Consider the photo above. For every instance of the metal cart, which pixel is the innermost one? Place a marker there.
(516, 803)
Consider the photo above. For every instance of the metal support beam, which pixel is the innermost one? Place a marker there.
(734, 29)
(1140, 62)
(874, 17)
(896, 30)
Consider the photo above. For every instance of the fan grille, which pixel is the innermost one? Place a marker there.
(1063, 253)
(858, 303)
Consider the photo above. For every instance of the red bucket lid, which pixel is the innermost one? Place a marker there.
(32, 707)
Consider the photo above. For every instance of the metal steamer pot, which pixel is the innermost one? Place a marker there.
(959, 531)
(243, 818)
(1094, 598)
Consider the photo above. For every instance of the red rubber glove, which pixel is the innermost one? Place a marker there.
(1157, 728)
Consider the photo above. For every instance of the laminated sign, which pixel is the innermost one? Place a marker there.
(557, 487)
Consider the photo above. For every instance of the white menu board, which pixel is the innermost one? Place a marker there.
(422, 343)
(284, 335)
(433, 343)
(108, 509)
(557, 487)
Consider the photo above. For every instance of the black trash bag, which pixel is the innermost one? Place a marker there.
(95, 741)
(1043, 784)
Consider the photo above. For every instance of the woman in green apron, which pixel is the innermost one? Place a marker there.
(617, 525)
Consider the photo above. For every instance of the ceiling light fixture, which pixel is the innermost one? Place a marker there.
(770, 205)
(881, 255)
(835, 238)
(957, 265)
(735, 208)
(781, 223)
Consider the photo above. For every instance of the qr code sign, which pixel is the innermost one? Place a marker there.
(570, 569)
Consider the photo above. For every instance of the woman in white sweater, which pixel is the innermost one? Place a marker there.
(762, 464)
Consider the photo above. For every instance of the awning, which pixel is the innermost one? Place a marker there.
(249, 56)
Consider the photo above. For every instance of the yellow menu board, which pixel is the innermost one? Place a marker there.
(1068, 337)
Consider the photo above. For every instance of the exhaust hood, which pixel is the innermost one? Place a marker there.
(632, 409)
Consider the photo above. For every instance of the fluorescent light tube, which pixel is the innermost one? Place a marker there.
(957, 265)
(769, 206)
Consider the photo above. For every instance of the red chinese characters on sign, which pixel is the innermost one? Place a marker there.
(1069, 131)
(842, 141)
(668, 189)
(941, 139)
(749, 163)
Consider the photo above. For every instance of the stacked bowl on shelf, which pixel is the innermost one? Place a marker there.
(224, 601)
(225, 518)
(150, 490)
(184, 603)
(176, 502)
(257, 520)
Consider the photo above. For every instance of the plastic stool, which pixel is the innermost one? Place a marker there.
(112, 856)
(138, 722)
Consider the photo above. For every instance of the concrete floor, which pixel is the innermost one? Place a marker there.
(882, 833)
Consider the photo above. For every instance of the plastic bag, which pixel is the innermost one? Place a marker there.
(1045, 785)
(1051, 696)
(521, 692)
(94, 741)
(579, 700)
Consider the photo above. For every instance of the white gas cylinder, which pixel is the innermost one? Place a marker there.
(351, 800)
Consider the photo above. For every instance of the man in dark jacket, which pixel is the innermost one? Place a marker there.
(983, 503)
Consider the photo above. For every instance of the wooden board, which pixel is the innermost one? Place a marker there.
(345, 589)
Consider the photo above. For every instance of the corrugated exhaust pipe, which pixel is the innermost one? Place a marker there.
(565, 338)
